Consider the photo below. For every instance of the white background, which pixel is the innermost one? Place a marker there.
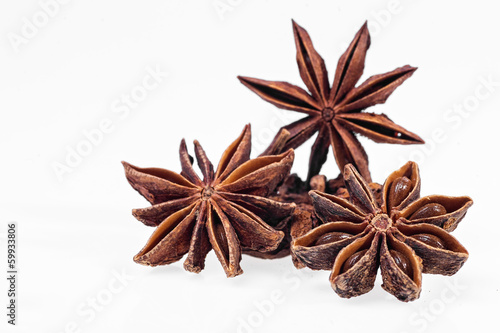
(76, 232)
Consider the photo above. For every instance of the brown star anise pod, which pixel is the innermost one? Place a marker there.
(336, 112)
(405, 236)
(226, 211)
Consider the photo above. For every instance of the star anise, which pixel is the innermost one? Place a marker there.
(226, 211)
(404, 235)
(335, 112)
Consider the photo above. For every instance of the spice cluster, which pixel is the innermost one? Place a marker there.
(349, 225)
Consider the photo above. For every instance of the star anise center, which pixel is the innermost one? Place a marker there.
(381, 222)
(207, 192)
(328, 114)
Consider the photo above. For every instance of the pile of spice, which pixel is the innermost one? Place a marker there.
(348, 225)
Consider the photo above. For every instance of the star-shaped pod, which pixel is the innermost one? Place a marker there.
(405, 236)
(335, 112)
(226, 211)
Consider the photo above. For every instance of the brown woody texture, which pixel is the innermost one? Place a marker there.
(334, 111)
(226, 211)
(402, 234)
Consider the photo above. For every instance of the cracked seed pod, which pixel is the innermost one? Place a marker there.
(226, 211)
(403, 235)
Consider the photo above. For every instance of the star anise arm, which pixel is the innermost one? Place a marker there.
(170, 240)
(318, 248)
(277, 145)
(343, 223)
(187, 165)
(311, 65)
(224, 240)
(204, 163)
(258, 176)
(440, 210)
(300, 131)
(350, 66)
(348, 150)
(401, 269)
(319, 152)
(301, 223)
(293, 135)
(374, 91)
(355, 267)
(330, 208)
(200, 244)
(253, 233)
(441, 253)
(274, 213)
(378, 127)
(237, 153)
(154, 215)
(283, 95)
(359, 190)
(401, 188)
(158, 185)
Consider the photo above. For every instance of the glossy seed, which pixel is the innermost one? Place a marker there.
(332, 237)
(429, 210)
(402, 262)
(352, 260)
(398, 191)
(430, 240)
(220, 235)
